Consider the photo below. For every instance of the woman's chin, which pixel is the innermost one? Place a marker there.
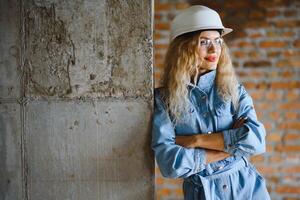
(211, 66)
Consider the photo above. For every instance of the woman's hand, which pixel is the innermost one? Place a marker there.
(240, 122)
(186, 141)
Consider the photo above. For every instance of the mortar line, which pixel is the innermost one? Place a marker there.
(24, 165)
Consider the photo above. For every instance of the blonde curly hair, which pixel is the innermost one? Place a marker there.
(181, 68)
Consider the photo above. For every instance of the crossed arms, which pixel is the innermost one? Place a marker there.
(183, 156)
(212, 143)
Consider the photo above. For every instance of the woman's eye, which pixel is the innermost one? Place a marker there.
(218, 41)
(203, 42)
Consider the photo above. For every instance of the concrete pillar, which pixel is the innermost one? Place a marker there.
(76, 99)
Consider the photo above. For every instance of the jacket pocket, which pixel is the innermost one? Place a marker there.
(223, 109)
(224, 116)
(188, 123)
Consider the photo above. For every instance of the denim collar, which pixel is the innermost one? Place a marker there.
(205, 81)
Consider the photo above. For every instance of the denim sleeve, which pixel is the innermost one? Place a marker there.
(173, 160)
(249, 139)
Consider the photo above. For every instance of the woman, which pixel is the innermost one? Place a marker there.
(204, 123)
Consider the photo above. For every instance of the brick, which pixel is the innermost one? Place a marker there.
(241, 34)
(272, 74)
(236, 4)
(285, 85)
(290, 125)
(157, 80)
(293, 95)
(272, 54)
(292, 62)
(159, 64)
(287, 148)
(275, 159)
(257, 24)
(157, 36)
(288, 189)
(291, 136)
(254, 54)
(280, 34)
(274, 137)
(254, 74)
(159, 180)
(290, 170)
(257, 14)
(273, 95)
(287, 23)
(181, 5)
(293, 158)
(274, 180)
(290, 13)
(272, 13)
(274, 115)
(162, 6)
(259, 63)
(244, 44)
(291, 115)
(269, 148)
(271, 4)
(263, 85)
(257, 159)
(268, 126)
(178, 192)
(162, 26)
(286, 74)
(289, 106)
(297, 43)
(290, 198)
(257, 95)
(259, 114)
(161, 46)
(163, 191)
(239, 54)
(174, 181)
(273, 44)
(157, 17)
(158, 56)
(288, 34)
(266, 169)
(256, 35)
(291, 53)
(250, 85)
(263, 106)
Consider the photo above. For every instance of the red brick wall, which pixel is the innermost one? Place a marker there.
(265, 48)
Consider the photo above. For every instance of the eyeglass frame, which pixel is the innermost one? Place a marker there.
(211, 42)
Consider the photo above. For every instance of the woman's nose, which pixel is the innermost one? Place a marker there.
(211, 47)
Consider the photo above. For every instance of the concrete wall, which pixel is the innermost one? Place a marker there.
(75, 99)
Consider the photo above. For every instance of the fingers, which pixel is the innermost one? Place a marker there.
(240, 122)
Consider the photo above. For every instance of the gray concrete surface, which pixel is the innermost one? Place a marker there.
(76, 99)
(10, 151)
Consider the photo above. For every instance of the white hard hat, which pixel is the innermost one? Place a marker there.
(197, 18)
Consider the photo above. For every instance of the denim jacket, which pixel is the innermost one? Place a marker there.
(208, 113)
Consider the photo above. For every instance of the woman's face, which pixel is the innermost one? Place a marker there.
(210, 43)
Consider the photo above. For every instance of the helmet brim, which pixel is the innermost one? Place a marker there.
(224, 31)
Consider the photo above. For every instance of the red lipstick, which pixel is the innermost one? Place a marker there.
(211, 58)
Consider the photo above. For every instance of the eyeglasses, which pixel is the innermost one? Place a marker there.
(206, 43)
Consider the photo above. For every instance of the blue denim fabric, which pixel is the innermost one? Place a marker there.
(209, 113)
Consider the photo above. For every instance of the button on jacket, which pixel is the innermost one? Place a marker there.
(225, 179)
